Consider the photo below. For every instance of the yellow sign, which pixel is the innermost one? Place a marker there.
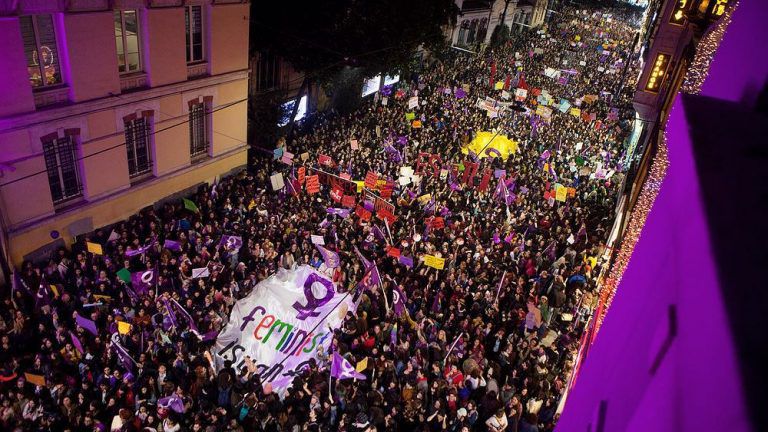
(360, 185)
(94, 248)
(561, 192)
(434, 262)
(499, 85)
(362, 365)
(37, 380)
(657, 73)
(489, 144)
(123, 327)
(576, 112)
(424, 198)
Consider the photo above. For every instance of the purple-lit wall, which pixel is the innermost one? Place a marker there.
(697, 386)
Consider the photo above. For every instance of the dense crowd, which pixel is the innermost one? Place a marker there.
(519, 280)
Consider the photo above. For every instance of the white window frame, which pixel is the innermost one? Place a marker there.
(38, 47)
(125, 42)
(188, 33)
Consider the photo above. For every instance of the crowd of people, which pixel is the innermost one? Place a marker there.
(487, 343)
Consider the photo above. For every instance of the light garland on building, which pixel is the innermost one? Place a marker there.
(705, 52)
(637, 220)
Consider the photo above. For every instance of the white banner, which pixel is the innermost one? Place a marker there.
(282, 324)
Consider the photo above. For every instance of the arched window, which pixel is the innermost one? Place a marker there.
(462, 32)
(481, 33)
(472, 32)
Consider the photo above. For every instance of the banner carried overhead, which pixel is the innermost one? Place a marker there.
(283, 324)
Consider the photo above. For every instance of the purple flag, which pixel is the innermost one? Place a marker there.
(231, 242)
(496, 238)
(368, 205)
(87, 324)
(140, 251)
(172, 245)
(43, 297)
(398, 300)
(142, 281)
(186, 314)
(211, 335)
(369, 280)
(460, 93)
(406, 261)
(366, 263)
(76, 342)
(344, 213)
(330, 257)
(171, 315)
(172, 402)
(122, 354)
(341, 369)
(378, 232)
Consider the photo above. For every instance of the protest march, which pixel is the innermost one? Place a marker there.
(426, 262)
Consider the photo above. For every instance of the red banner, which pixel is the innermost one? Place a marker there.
(393, 252)
(302, 174)
(363, 213)
(337, 194)
(348, 201)
(370, 180)
(313, 184)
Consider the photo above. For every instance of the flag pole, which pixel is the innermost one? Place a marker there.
(453, 345)
(381, 287)
(498, 291)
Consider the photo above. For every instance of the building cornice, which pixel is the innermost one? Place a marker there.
(95, 105)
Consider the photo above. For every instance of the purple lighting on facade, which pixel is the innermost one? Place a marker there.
(696, 382)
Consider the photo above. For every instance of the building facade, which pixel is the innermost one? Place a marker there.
(478, 18)
(108, 106)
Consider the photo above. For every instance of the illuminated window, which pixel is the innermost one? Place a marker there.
(127, 41)
(657, 73)
(719, 7)
(43, 65)
(678, 13)
(61, 164)
(198, 128)
(137, 141)
(194, 28)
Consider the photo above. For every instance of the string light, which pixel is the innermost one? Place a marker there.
(637, 219)
(705, 51)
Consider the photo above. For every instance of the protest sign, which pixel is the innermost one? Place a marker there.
(434, 262)
(282, 324)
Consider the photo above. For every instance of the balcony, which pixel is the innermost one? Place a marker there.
(132, 81)
(45, 96)
(197, 70)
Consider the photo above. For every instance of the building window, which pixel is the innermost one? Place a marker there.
(61, 163)
(268, 71)
(43, 65)
(137, 136)
(127, 41)
(198, 129)
(472, 31)
(194, 27)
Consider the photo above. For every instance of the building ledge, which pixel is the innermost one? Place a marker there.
(133, 81)
(100, 199)
(58, 113)
(47, 96)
